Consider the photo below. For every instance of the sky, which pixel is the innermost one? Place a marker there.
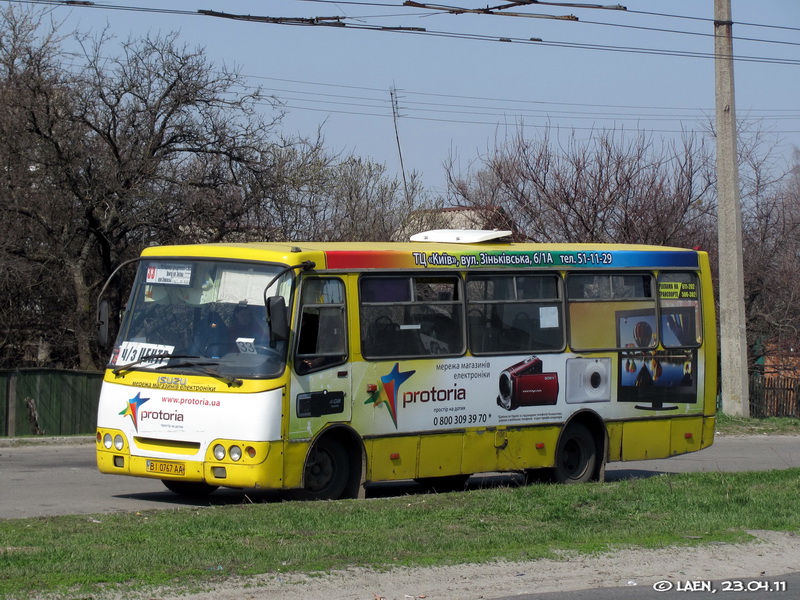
(468, 81)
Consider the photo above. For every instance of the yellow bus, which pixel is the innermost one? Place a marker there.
(320, 367)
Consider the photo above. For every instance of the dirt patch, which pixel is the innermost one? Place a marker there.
(769, 554)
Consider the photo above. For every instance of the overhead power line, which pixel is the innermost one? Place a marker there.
(497, 11)
(340, 22)
(347, 23)
(491, 111)
(707, 20)
(460, 97)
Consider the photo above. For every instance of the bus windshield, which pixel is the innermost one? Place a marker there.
(201, 317)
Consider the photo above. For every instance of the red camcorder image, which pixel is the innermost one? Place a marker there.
(524, 384)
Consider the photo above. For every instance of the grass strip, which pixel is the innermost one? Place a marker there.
(731, 425)
(80, 555)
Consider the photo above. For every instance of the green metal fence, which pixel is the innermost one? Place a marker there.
(48, 402)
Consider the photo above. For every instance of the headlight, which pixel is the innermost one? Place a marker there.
(118, 442)
(219, 452)
(107, 441)
(235, 453)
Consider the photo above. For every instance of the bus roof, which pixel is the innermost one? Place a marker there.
(409, 255)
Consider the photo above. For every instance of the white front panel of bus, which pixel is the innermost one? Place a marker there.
(198, 417)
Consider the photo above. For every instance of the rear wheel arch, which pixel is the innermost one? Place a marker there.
(585, 428)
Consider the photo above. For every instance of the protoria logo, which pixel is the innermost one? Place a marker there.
(434, 395)
(133, 411)
(391, 387)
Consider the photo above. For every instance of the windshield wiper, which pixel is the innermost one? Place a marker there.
(150, 358)
(231, 381)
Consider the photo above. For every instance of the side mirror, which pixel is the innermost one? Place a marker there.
(278, 319)
(102, 323)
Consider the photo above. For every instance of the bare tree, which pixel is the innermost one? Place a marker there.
(315, 195)
(366, 205)
(142, 143)
(771, 228)
(606, 189)
(115, 153)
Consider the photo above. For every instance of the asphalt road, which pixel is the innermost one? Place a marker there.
(60, 478)
(774, 588)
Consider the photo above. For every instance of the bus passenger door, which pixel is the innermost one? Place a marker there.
(320, 392)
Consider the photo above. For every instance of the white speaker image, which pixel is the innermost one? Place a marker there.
(588, 380)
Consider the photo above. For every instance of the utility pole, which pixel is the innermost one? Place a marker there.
(395, 116)
(733, 333)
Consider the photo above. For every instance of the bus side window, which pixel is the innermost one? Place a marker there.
(610, 311)
(679, 298)
(321, 336)
(513, 314)
(408, 316)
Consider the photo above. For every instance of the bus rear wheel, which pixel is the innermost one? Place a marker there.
(190, 489)
(576, 455)
(326, 473)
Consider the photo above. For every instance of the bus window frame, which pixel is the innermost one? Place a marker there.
(697, 309)
(371, 329)
(310, 362)
(285, 287)
(558, 301)
(615, 299)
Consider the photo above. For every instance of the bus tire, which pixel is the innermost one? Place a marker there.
(327, 472)
(576, 455)
(190, 489)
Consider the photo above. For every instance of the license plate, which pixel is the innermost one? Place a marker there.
(166, 468)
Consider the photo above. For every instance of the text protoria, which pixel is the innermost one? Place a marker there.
(434, 395)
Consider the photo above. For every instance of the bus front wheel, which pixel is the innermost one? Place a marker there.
(576, 455)
(326, 473)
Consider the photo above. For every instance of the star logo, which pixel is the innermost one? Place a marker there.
(391, 387)
(132, 409)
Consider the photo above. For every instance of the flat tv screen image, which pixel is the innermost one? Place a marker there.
(657, 379)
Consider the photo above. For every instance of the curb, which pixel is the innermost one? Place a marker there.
(19, 442)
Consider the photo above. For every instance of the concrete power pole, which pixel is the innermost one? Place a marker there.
(733, 339)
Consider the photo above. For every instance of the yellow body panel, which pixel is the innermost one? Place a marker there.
(440, 455)
(709, 425)
(614, 430)
(295, 459)
(266, 474)
(642, 440)
(480, 451)
(521, 452)
(686, 435)
(392, 458)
